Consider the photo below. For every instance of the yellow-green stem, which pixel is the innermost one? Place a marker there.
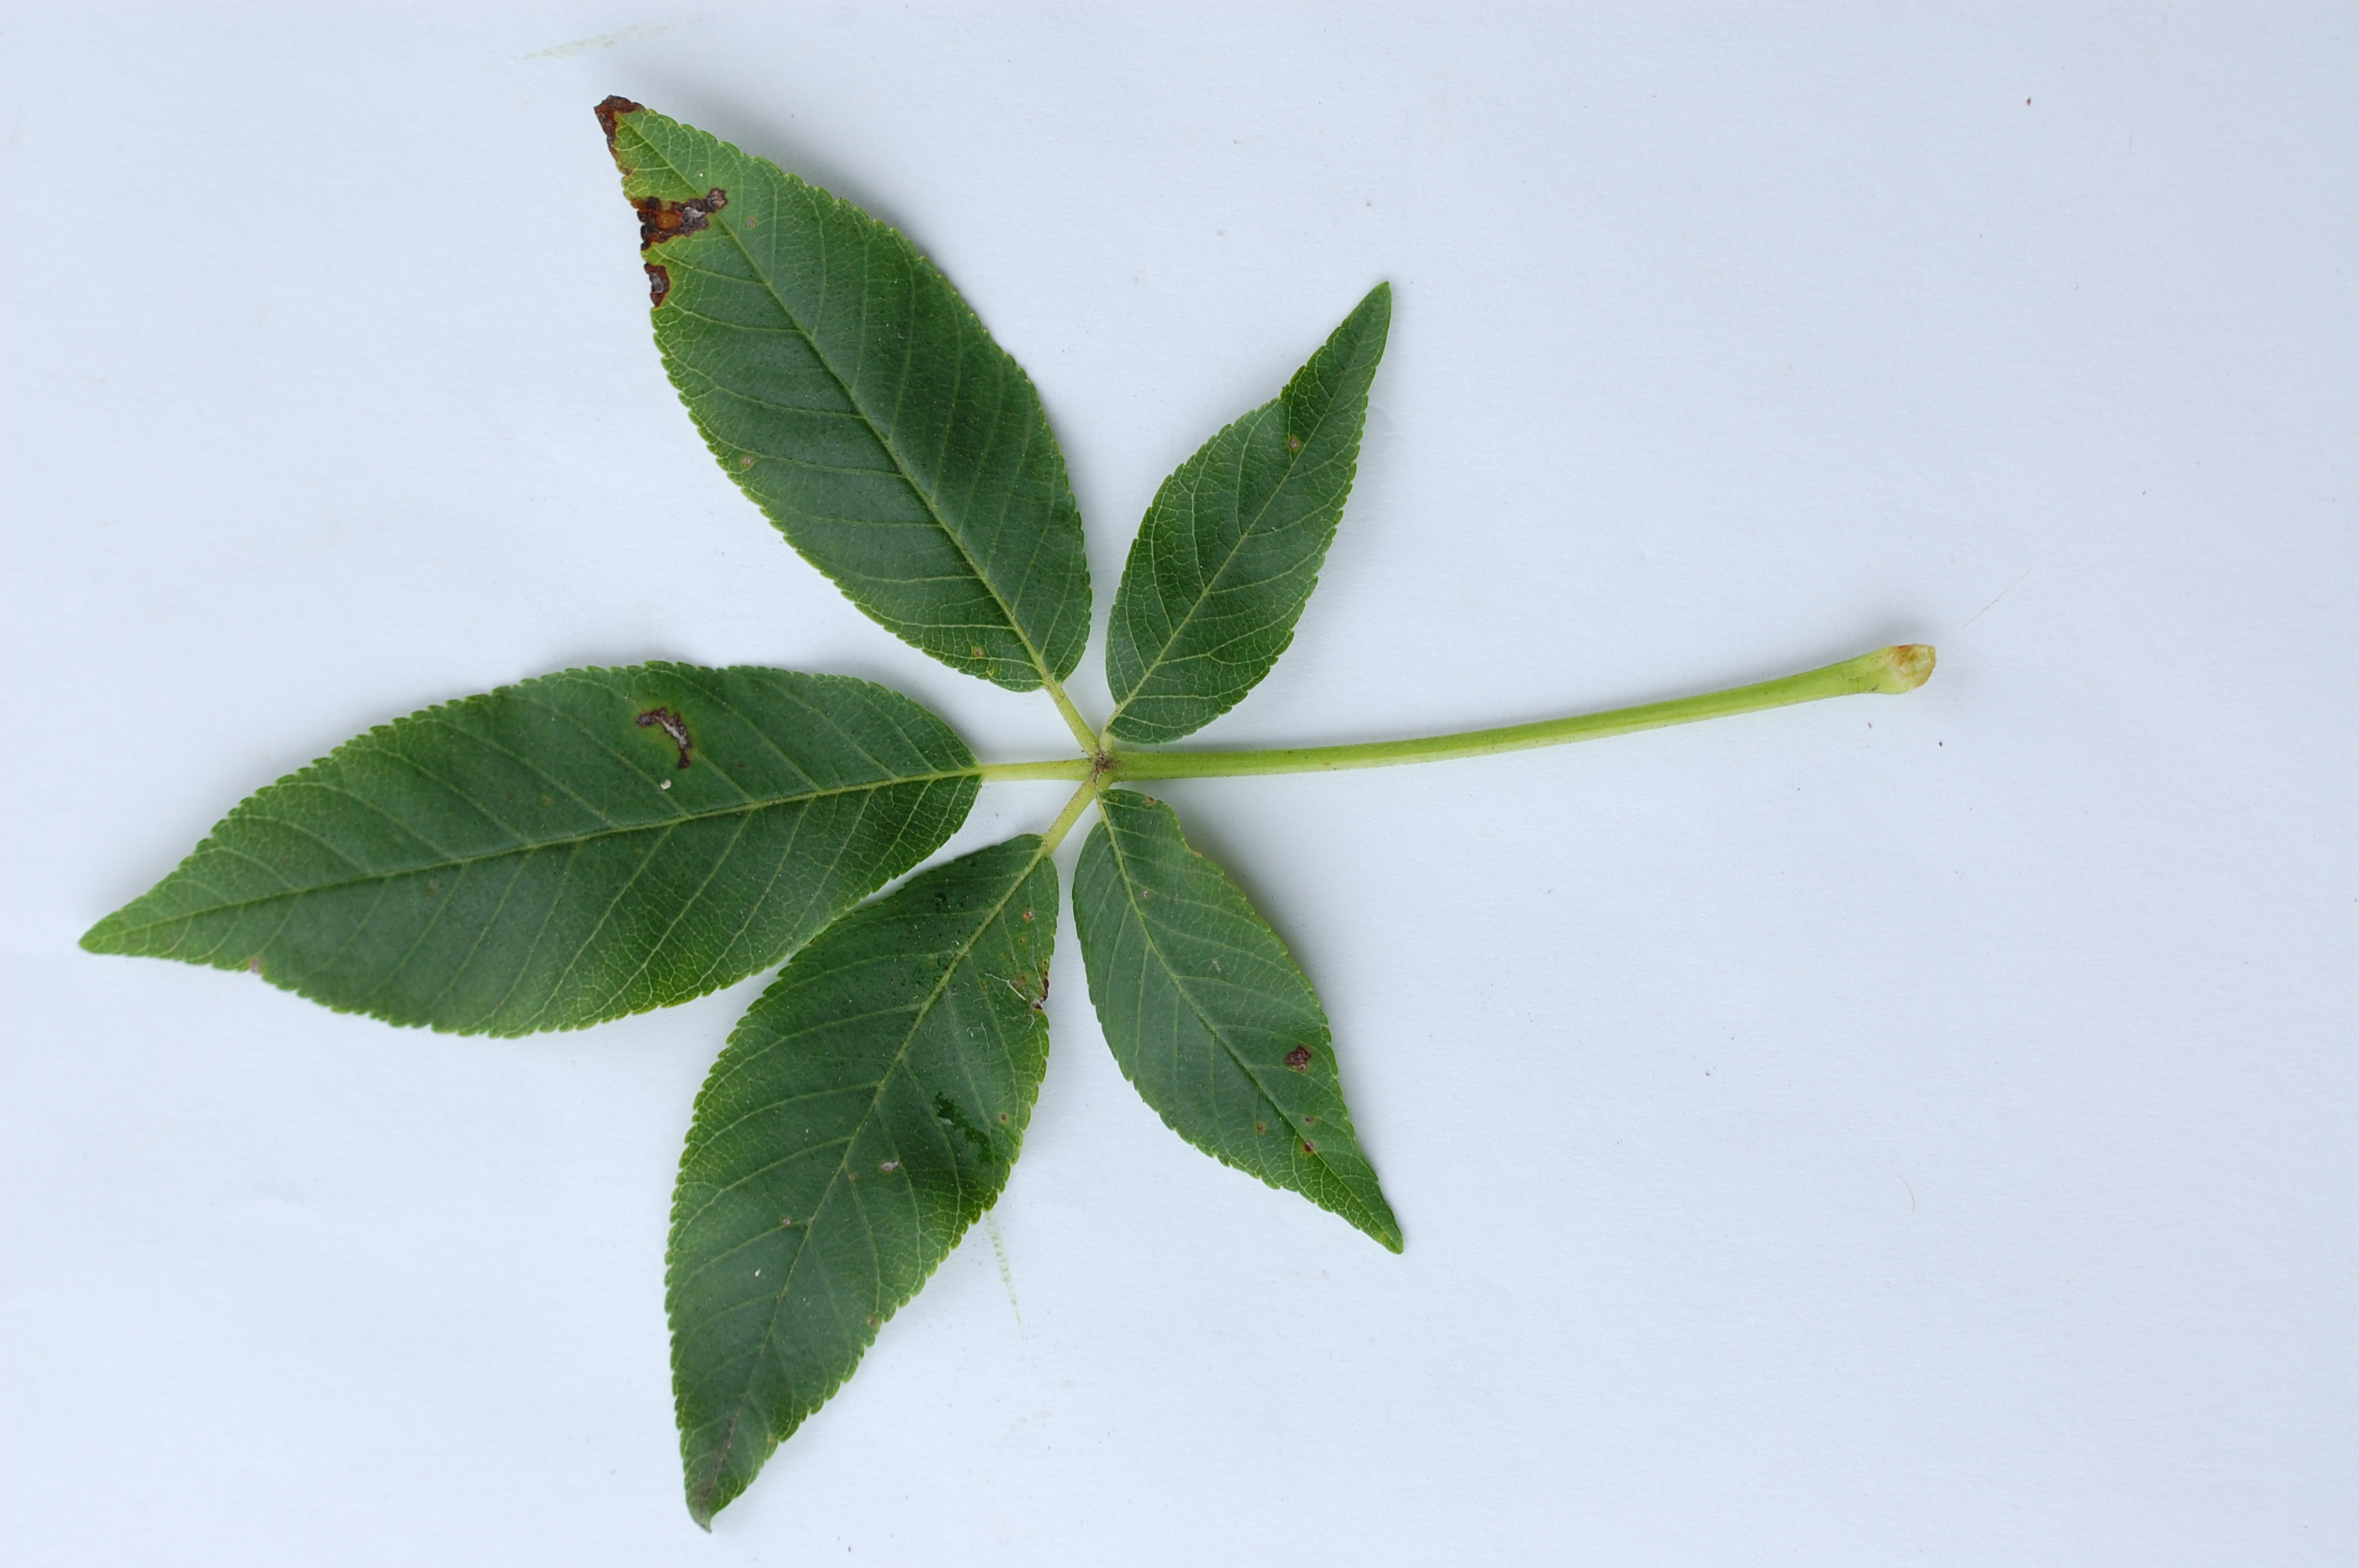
(1073, 719)
(1054, 768)
(1073, 813)
(1900, 668)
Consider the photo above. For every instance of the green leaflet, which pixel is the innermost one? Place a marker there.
(1211, 1018)
(847, 388)
(565, 850)
(1231, 548)
(867, 1110)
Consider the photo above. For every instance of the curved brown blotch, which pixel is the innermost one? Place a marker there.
(673, 725)
(658, 284)
(611, 109)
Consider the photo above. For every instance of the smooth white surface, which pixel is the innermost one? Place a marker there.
(1894, 1129)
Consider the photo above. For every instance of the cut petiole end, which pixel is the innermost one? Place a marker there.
(1903, 667)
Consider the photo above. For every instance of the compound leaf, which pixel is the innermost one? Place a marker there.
(1211, 1018)
(850, 392)
(867, 1110)
(567, 850)
(1230, 550)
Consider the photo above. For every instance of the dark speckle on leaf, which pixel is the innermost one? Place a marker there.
(946, 1112)
(1299, 1058)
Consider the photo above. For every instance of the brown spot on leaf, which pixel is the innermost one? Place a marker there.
(673, 725)
(610, 111)
(659, 284)
(1261, 1127)
(1028, 918)
(1299, 1058)
(660, 220)
(1002, 1116)
(255, 964)
(745, 460)
(889, 1166)
(1309, 1147)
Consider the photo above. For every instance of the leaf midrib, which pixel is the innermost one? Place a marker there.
(925, 498)
(835, 1183)
(461, 862)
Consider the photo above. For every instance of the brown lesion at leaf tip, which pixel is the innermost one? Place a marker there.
(660, 220)
(672, 724)
(611, 112)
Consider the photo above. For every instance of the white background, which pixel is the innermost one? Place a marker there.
(1896, 1130)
